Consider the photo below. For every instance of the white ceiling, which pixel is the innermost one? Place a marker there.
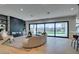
(38, 11)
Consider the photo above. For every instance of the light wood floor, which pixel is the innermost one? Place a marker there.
(53, 46)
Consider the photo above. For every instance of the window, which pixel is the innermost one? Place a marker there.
(57, 29)
(61, 29)
(77, 28)
(40, 29)
(33, 29)
(49, 29)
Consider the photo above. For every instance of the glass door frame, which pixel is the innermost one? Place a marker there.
(39, 24)
(54, 28)
(67, 28)
(36, 26)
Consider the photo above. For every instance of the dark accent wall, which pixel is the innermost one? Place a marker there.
(16, 26)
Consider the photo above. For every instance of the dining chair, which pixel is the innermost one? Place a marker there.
(75, 42)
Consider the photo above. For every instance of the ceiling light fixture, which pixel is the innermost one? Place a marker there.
(48, 12)
(21, 9)
(72, 9)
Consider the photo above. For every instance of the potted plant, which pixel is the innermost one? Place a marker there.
(44, 33)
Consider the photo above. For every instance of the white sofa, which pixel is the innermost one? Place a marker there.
(34, 41)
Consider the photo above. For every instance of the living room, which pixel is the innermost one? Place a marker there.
(38, 28)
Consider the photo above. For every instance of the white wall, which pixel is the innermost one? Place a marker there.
(71, 19)
(27, 27)
(8, 18)
(77, 20)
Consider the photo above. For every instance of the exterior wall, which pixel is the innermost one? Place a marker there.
(71, 19)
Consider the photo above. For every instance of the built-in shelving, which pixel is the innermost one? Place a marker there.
(3, 22)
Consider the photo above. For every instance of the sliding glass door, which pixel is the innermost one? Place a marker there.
(33, 29)
(61, 29)
(40, 29)
(57, 29)
(49, 29)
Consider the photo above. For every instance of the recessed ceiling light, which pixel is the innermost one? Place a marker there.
(48, 12)
(72, 9)
(21, 9)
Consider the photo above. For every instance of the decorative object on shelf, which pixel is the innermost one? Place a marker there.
(3, 24)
